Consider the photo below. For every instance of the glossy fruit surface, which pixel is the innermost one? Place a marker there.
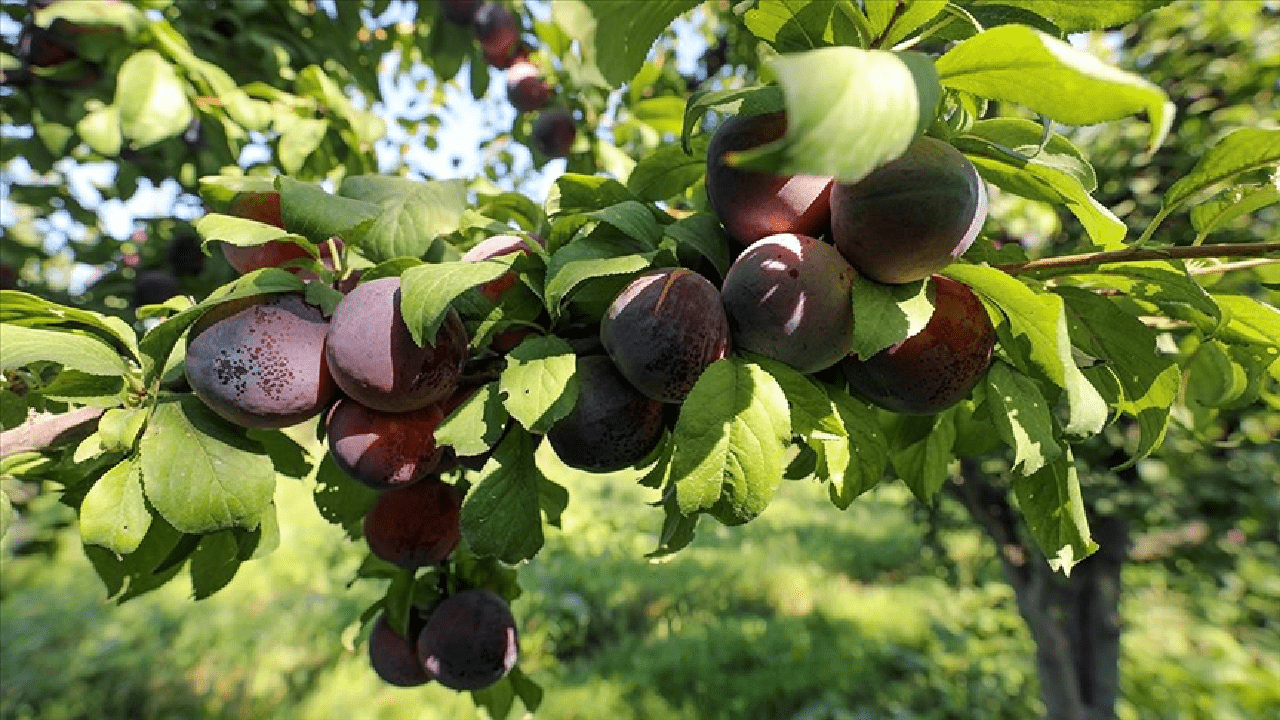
(790, 297)
(612, 426)
(663, 330)
(910, 218)
(469, 641)
(526, 89)
(383, 450)
(752, 205)
(374, 359)
(415, 526)
(935, 368)
(260, 362)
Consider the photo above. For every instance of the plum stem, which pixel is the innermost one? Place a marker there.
(1249, 250)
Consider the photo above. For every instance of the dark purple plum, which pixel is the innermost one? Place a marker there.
(260, 361)
(790, 297)
(384, 450)
(612, 426)
(415, 526)
(469, 641)
(910, 218)
(663, 330)
(499, 35)
(935, 368)
(394, 657)
(752, 205)
(526, 89)
(553, 132)
(374, 359)
(459, 12)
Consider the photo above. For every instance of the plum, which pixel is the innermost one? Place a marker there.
(416, 525)
(935, 368)
(752, 205)
(526, 90)
(260, 362)
(459, 12)
(663, 330)
(612, 426)
(499, 35)
(493, 247)
(553, 132)
(383, 450)
(790, 297)
(394, 657)
(469, 641)
(374, 359)
(910, 218)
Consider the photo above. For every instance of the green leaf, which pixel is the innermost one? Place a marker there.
(575, 193)
(792, 25)
(856, 465)
(811, 411)
(1021, 416)
(1249, 321)
(414, 214)
(729, 440)
(1054, 510)
(427, 290)
(6, 513)
(1165, 283)
(920, 450)
(1231, 204)
(591, 257)
(200, 472)
(73, 386)
(1148, 379)
(1242, 151)
(705, 235)
(299, 139)
(634, 219)
(114, 513)
(214, 563)
(501, 515)
(1074, 16)
(319, 215)
(915, 15)
(243, 232)
(616, 34)
(100, 130)
(669, 170)
(157, 559)
(19, 308)
(152, 100)
(753, 100)
(340, 498)
(878, 102)
(476, 424)
(1018, 64)
(539, 384)
(885, 315)
(21, 346)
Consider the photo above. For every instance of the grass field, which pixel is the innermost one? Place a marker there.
(807, 613)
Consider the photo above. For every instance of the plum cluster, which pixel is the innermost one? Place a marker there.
(498, 33)
(274, 360)
(807, 239)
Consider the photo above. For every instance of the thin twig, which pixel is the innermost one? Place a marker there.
(1252, 250)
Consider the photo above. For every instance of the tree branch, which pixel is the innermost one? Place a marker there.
(1132, 254)
(43, 431)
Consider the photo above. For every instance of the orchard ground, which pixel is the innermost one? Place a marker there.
(804, 613)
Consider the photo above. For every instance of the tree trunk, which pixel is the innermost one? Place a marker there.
(1074, 621)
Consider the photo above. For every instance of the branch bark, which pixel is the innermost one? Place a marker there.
(43, 431)
(1251, 250)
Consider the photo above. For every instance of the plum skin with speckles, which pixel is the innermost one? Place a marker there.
(935, 368)
(612, 426)
(663, 330)
(260, 362)
(394, 657)
(470, 640)
(383, 450)
(374, 359)
(790, 297)
(415, 526)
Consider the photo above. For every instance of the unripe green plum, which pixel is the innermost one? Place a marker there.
(469, 641)
(935, 368)
(910, 218)
(663, 330)
(790, 297)
(260, 362)
(383, 450)
(612, 426)
(416, 525)
(751, 204)
(374, 359)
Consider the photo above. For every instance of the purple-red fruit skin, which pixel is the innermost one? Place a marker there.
(553, 132)
(935, 368)
(459, 12)
(912, 217)
(415, 526)
(383, 450)
(526, 90)
(790, 297)
(663, 330)
(752, 205)
(260, 362)
(374, 359)
(469, 641)
(395, 657)
(612, 425)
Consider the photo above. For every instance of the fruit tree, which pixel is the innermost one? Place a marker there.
(804, 260)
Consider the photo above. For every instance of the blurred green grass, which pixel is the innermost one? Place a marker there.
(807, 613)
